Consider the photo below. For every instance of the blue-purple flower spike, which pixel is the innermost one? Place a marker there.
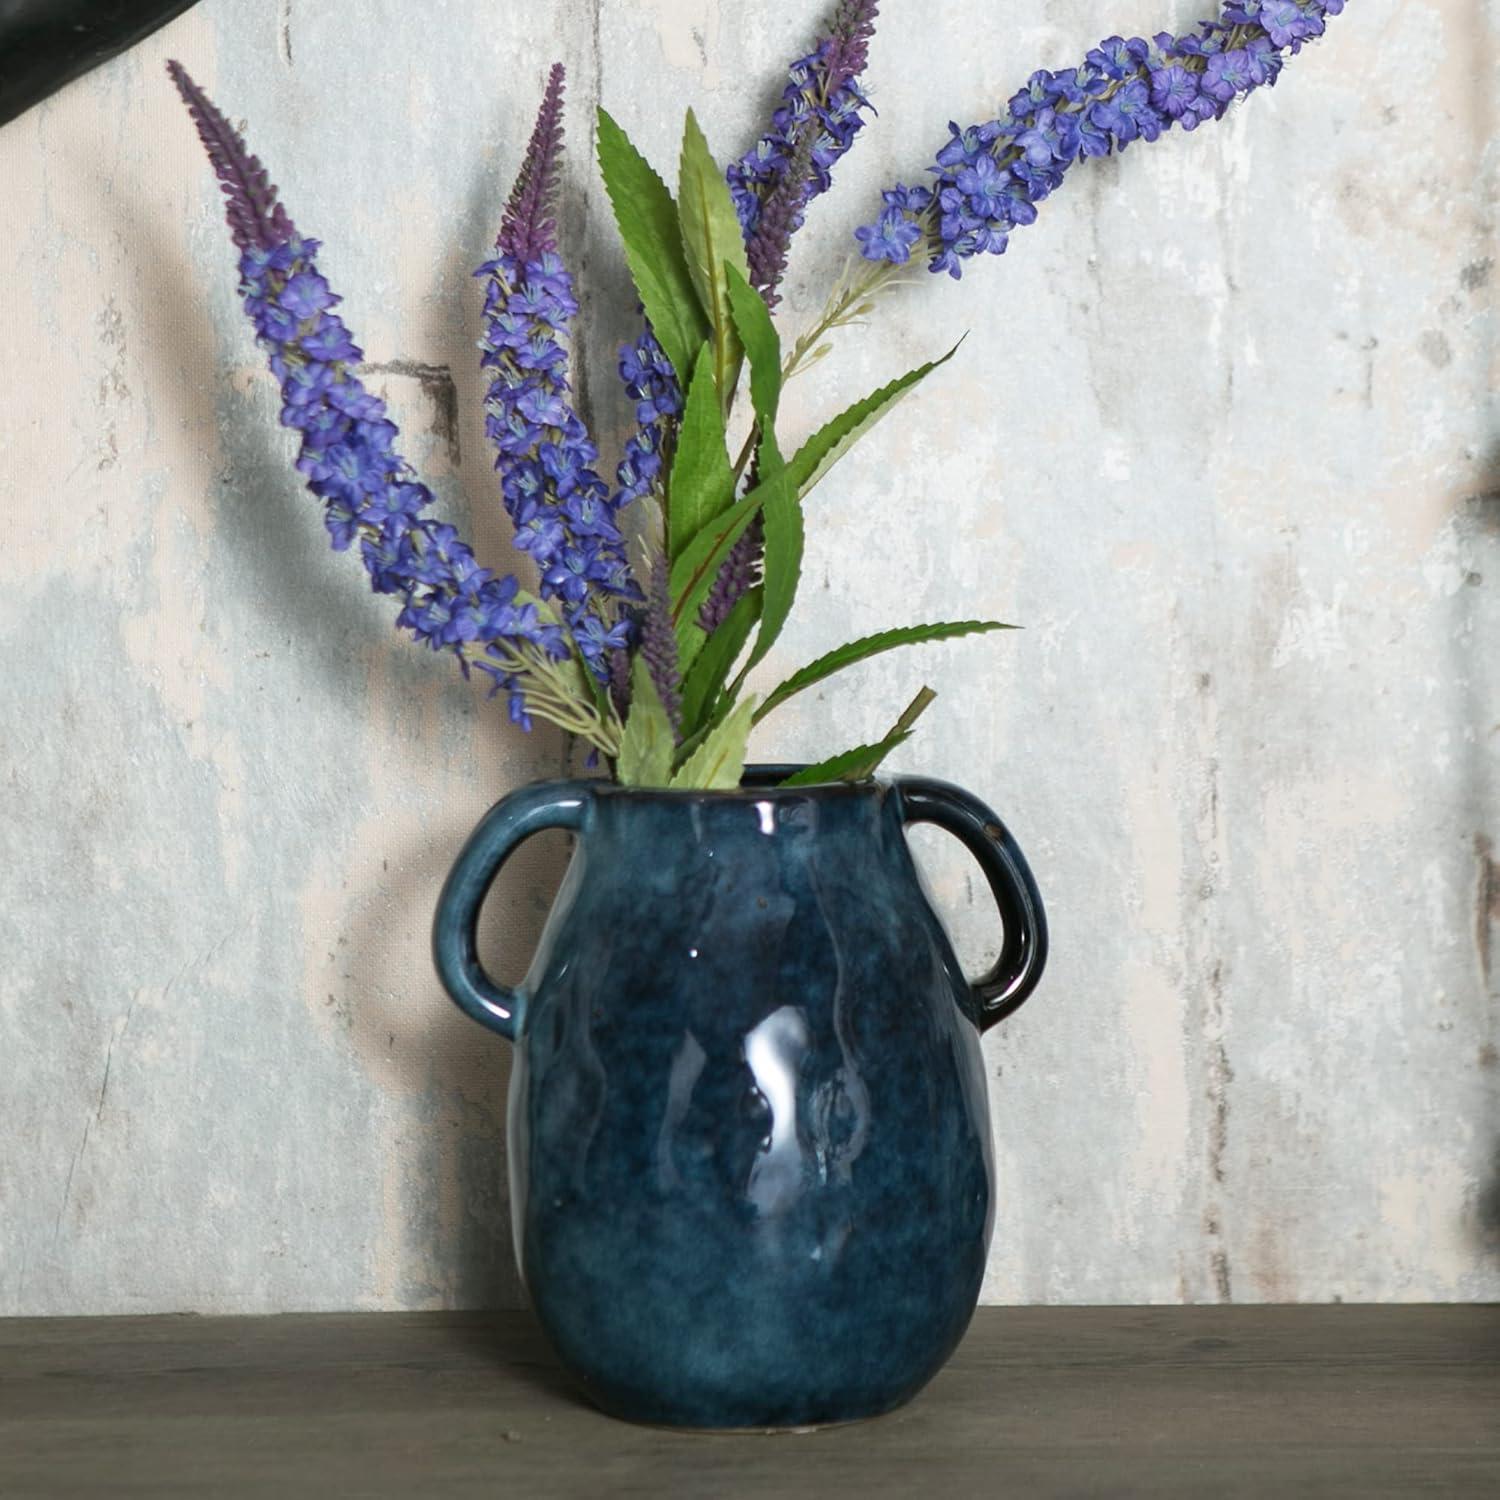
(562, 510)
(990, 177)
(529, 227)
(738, 574)
(256, 219)
(659, 642)
(348, 453)
(814, 125)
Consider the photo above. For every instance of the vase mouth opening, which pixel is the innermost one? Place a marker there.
(760, 783)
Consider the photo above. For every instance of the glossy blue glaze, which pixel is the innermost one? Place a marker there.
(749, 1139)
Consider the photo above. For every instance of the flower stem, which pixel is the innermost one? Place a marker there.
(853, 299)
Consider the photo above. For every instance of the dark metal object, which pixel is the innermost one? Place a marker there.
(47, 43)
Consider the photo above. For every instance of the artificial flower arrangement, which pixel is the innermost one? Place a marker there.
(658, 596)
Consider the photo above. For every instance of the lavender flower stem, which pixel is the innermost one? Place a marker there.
(349, 459)
(792, 163)
(991, 177)
(659, 642)
(562, 510)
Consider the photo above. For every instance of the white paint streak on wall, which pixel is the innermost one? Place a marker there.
(1222, 441)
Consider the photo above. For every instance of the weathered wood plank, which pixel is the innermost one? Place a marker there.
(1062, 1401)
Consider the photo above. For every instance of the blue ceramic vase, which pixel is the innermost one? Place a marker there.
(750, 1164)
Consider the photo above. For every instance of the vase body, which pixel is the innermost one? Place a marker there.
(750, 1160)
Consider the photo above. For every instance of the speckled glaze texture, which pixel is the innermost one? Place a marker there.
(749, 1141)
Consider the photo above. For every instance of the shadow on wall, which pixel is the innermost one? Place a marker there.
(455, 1248)
(447, 1239)
(1487, 1214)
(1478, 646)
(1480, 518)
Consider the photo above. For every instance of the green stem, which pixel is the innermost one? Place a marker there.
(548, 692)
(852, 299)
(752, 441)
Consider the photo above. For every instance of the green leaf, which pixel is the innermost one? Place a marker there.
(647, 744)
(781, 568)
(719, 762)
(701, 485)
(867, 646)
(783, 509)
(762, 343)
(712, 237)
(704, 682)
(647, 218)
(860, 763)
(857, 764)
(695, 569)
(834, 439)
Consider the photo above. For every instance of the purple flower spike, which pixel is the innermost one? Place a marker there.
(659, 642)
(529, 227)
(991, 177)
(348, 454)
(562, 510)
(737, 575)
(815, 123)
(256, 220)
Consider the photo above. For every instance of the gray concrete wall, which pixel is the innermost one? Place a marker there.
(1222, 439)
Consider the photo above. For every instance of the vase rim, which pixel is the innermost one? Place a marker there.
(748, 791)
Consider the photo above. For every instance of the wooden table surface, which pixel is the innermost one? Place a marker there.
(1201, 1401)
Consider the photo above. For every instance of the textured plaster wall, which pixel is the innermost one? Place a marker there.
(1222, 439)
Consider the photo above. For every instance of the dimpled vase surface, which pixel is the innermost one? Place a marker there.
(750, 1164)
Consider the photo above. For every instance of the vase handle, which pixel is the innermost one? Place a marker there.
(1023, 954)
(455, 943)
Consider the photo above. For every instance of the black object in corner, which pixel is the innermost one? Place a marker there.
(47, 43)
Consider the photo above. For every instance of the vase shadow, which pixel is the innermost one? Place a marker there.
(514, 1339)
(452, 1246)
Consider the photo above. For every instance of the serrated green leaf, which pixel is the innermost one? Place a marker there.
(867, 646)
(704, 682)
(719, 762)
(781, 567)
(695, 569)
(782, 513)
(647, 218)
(712, 237)
(783, 508)
(860, 763)
(647, 745)
(857, 764)
(701, 484)
(835, 438)
(752, 321)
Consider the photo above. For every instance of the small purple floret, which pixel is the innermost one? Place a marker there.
(651, 383)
